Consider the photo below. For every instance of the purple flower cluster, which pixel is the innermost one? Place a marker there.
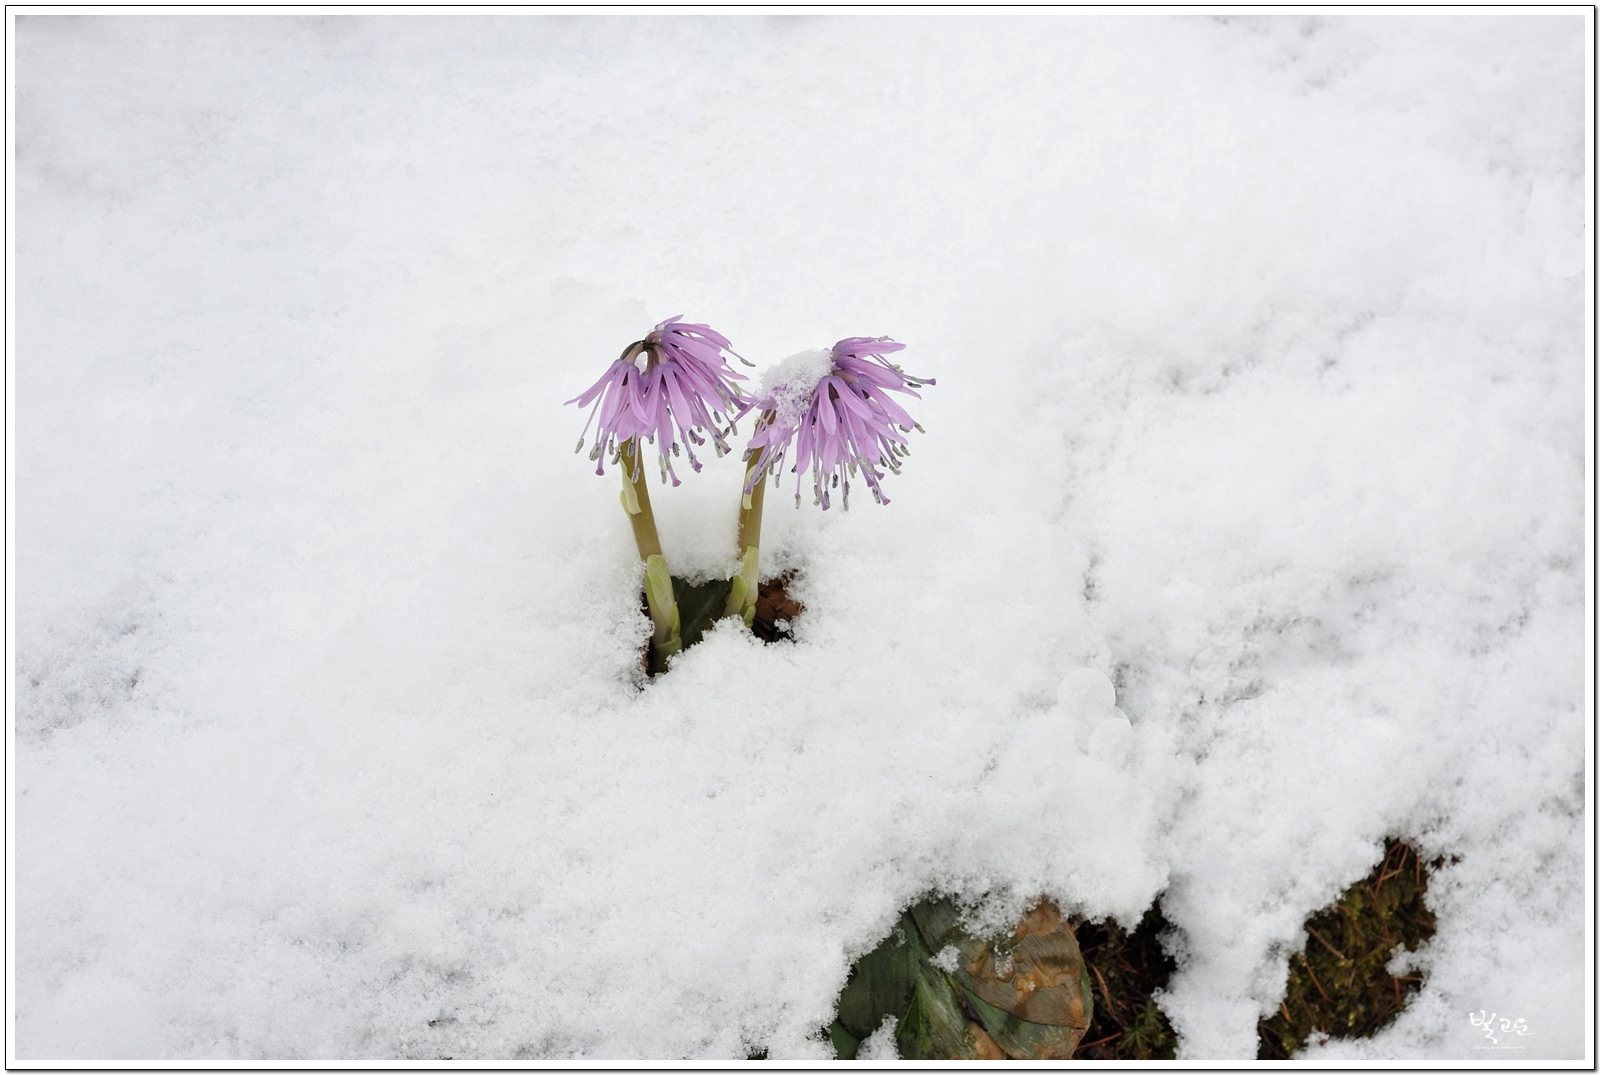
(850, 424)
(666, 388)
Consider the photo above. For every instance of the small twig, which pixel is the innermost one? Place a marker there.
(1102, 1041)
(1314, 981)
(1105, 992)
(1383, 870)
(1326, 945)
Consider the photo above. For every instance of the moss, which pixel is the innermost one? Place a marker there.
(1339, 985)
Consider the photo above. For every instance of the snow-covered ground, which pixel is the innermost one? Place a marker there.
(1261, 389)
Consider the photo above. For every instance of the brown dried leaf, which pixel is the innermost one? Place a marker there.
(1037, 974)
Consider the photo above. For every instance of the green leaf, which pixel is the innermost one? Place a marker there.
(940, 924)
(934, 1027)
(845, 1044)
(882, 981)
(699, 606)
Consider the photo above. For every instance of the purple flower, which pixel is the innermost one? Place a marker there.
(840, 423)
(666, 388)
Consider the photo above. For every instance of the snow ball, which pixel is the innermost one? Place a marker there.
(1085, 688)
(1112, 740)
(1085, 699)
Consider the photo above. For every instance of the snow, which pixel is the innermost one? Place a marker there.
(880, 1045)
(1248, 529)
(790, 383)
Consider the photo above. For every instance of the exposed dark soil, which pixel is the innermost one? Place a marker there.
(1126, 968)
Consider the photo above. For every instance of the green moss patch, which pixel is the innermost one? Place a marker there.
(1339, 985)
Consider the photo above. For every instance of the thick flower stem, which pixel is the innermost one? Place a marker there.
(657, 581)
(746, 584)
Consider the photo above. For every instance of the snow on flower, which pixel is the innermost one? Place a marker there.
(666, 388)
(848, 424)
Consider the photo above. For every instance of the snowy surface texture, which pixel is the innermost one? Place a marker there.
(1261, 373)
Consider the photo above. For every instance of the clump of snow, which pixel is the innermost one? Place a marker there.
(795, 378)
(1249, 528)
(880, 1044)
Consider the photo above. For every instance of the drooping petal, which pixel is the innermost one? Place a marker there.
(687, 387)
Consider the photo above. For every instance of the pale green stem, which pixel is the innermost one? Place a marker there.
(747, 583)
(668, 639)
